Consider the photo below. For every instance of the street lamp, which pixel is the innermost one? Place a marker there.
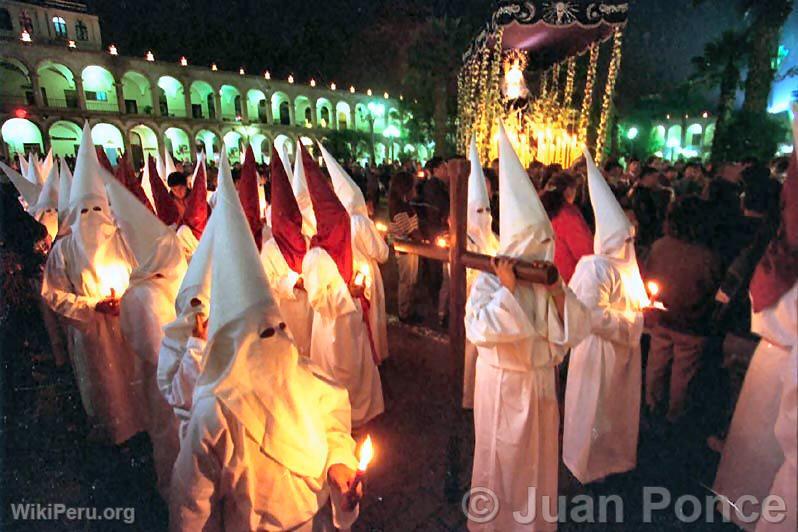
(391, 132)
(632, 133)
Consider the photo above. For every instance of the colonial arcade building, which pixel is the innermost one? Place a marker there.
(55, 73)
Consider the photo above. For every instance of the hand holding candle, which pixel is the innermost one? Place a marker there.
(653, 291)
(366, 454)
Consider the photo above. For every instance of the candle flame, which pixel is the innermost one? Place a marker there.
(366, 454)
(442, 242)
(653, 288)
(113, 277)
(381, 227)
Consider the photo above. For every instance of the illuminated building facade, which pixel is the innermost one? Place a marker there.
(55, 73)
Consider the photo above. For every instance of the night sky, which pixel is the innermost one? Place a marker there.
(363, 41)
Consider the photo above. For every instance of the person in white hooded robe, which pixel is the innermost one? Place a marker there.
(522, 332)
(269, 438)
(28, 192)
(369, 250)
(481, 239)
(45, 211)
(86, 272)
(602, 397)
(282, 256)
(339, 344)
(146, 306)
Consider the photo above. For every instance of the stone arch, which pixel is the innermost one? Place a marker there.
(64, 137)
(232, 143)
(709, 135)
(694, 135)
(230, 98)
(394, 117)
(202, 100)
(137, 91)
(208, 141)
(22, 136)
(176, 140)
(380, 152)
(303, 112)
(423, 153)
(261, 147)
(17, 87)
(110, 138)
(257, 106)
(99, 89)
(361, 121)
(362, 152)
(324, 113)
(58, 87)
(281, 108)
(171, 97)
(343, 115)
(143, 143)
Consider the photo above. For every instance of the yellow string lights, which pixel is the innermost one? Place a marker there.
(609, 90)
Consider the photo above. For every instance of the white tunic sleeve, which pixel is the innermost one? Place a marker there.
(593, 286)
(340, 450)
(493, 315)
(282, 279)
(367, 240)
(178, 371)
(59, 293)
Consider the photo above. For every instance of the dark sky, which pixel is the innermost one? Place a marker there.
(359, 41)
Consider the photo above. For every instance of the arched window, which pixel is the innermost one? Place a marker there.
(285, 114)
(25, 22)
(81, 31)
(60, 27)
(5, 20)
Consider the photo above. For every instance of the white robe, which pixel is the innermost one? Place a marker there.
(104, 364)
(224, 481)
(293, 303)
(179, 366)
(369, 248)
(520, 340)
(784, 484)
(146, 307)
(602, 398)
(752, 454)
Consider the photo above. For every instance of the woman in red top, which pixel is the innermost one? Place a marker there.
(573, 238)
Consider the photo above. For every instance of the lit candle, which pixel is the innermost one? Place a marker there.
(442, 242)
(653, 291)
(114, 279)
(381, 227)
(366, 454)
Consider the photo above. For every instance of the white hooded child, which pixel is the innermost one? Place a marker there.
(481, 239)
(369, 250)
(269, 439)
(602, 398)
(86, 272)
(522, 331)
(146, 306)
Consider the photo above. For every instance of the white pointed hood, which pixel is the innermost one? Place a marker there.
(87, 183)
(47, 164)
(286, 160)
(34, 173)
(46, 208)
(525, 231)
(345, 187)
(28, 191)
(200, 161)
(153, 244)
(145, 183)
(64, 186)
(613, 228)
(480, 220)
(169, 164)
(250, 363)
(299, 184)
(23, 164)
(614, 234)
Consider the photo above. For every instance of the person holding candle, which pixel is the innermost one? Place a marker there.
(521, 332)
(369, 250)
(282, 256)
(146, 306)
(86, 272)
(602, 397)
(268, 443)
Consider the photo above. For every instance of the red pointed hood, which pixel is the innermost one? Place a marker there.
(333, 231)
(777, 270)
(286, 216)
(125, 174)
(248, 194)
(103, 158)
(165, 206)
(196, 215)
